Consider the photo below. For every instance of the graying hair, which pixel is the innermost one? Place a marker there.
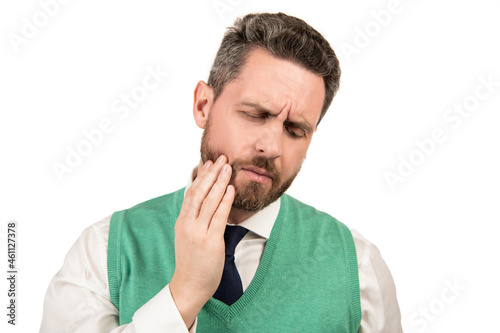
(283, 36)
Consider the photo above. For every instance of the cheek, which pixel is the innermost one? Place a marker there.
(293, 158)
(230, 139)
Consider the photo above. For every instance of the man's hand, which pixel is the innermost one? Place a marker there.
(199, 239)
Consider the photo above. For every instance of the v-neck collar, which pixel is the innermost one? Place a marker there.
(226, 313)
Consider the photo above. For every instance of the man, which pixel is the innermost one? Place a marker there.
(232, 252)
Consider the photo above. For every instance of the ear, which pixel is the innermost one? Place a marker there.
(203, 99)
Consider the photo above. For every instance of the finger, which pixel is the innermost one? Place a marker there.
(199, 189)
(218, 223)
(204, 169)
(214, 197)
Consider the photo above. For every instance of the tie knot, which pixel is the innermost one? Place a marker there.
(232, 236)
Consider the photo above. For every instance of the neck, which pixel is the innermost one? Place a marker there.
(236, 215)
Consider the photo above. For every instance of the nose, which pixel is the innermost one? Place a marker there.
(269, 140)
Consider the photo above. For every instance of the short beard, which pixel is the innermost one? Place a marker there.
(252, 196)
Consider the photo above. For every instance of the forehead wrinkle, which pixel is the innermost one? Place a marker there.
(261, 107)
(293, 83)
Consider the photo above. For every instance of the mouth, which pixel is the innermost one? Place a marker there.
(259, 171)
(257, 174)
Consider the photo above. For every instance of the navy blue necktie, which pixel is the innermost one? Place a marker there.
(230, 287)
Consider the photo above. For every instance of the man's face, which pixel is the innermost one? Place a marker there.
(263, 121)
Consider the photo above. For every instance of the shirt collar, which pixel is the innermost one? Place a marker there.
(261, 223)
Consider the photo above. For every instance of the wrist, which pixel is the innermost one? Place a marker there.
(188, 304)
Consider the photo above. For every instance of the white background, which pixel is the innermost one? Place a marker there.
(438, 227)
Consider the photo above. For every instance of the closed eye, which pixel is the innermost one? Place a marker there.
(294, 131)
(255, 115)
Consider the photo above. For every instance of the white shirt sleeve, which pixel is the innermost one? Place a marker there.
(379, 305)
(77, 299)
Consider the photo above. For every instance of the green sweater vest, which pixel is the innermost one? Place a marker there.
(307, 280)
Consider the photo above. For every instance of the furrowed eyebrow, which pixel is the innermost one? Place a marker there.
(299, 124)
(256, 106)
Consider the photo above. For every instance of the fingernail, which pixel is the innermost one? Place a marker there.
(220, 159)
(207, 165)
(225, 168)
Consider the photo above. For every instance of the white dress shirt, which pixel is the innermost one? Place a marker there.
(78, 300)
